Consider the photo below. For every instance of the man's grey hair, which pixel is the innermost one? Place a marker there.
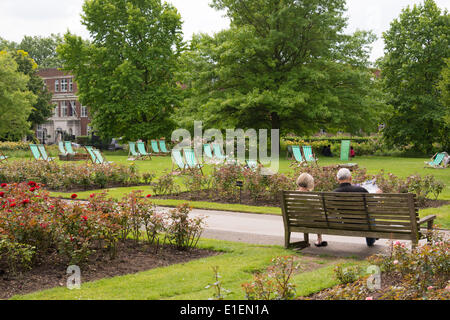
(344, 174)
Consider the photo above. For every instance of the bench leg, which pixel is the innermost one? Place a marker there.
(287, 239)
(429, 230)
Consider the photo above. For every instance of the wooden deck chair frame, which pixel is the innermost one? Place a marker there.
(132, 150)
(3, 157)
(143, 150)
(163, 147)
(297, 153)
(436, 161)
(312, 154)
(155, 148)
(195, 163)
(44, 154)
(179, 163)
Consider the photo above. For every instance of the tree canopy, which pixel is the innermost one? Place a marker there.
(415, 48)
(125, 75)
(284, 65)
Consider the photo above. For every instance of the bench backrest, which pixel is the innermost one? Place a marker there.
(383, 215)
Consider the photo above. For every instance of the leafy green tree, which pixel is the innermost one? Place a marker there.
(282, 65)
(42, 108)
(15, 100)
(444, 86)
(42, 50)
(126, 75)
(415, 47)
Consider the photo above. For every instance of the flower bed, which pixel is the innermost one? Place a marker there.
(69, 176)
(34, 226)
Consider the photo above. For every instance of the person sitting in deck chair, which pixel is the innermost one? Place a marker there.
(344, 177)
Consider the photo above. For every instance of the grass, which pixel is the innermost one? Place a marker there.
(188, 281)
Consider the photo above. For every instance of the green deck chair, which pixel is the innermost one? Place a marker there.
(308, 154)
(162, 146)
(90, 151)
(252, 164)
(436, 163)
(61, 148)
(99, 157)
(142, 150)
(297, 154)
(132, 150)
(345, 150)
(218, 152)
(68, 146)
(43, 152)
(207, 151)
(155, 148)
(3, 157)
(191, 160)
(35, 152)
(177, 159)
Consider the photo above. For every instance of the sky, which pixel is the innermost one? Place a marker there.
(19, 17)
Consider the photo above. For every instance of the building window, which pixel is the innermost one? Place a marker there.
(63, 109)
(70, 85)
(84, 112)
(63, 85)
(73, 108)
(56, 85)
(55, 110)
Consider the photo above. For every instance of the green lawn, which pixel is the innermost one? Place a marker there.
(189, 280)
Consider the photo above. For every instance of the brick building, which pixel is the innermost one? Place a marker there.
(69, 116)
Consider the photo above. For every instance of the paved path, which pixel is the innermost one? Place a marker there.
(269, 230)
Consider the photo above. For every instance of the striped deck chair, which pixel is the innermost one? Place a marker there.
(43, 152)
(178, 161)
(207, 152)
(100, 159)
(191, 160)
(68, 146)
(308, 154)
(345, 150)
(437, 159)
(155, 148)
(162, 146)
(298, 157)
(132, 150)
(142, 150)
(61, 148)
(3, 157)
(218, 152)
(90, 151)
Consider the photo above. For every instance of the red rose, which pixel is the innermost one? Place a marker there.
(32, 184)
(92, 195)
(73, 196)
(2, 194)
(32, 189)
(25, 201)
(149, 195)
(84, 218)
(3, 185)
(12, 204)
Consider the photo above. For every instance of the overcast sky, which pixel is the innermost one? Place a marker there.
(43, 17)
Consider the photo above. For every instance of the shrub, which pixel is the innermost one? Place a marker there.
(223, 180)
(17, 255)
(275, 283)
(165, 185)
(346, 275)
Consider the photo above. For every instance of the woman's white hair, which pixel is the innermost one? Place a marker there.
(305, 180)
(344, 174)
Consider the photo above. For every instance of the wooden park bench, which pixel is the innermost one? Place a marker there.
(371, 215)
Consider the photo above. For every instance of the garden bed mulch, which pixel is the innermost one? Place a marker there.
(247, 200)
(131, 258)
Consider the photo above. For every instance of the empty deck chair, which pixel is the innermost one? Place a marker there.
(43, 152)
(207, 152)
(298, 157)
(178, 163)
(218, 152)
(100, 159)
(68, 146)
(132, 150)
(142, 150)
(191, 160)
(308, 154)
(61, 148)
(162, 147)
(436, 162)
(90, 151)
(155, 148)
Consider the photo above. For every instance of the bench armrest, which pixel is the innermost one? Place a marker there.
(427, 219)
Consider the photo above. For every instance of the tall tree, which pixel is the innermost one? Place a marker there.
(125, 75)
(15, 100)
(42, 108)
(42, 50)
(282, 65)
(415, 47)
